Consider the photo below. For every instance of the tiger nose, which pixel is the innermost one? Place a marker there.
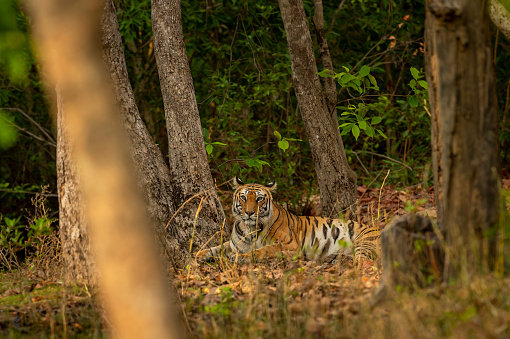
(250, 213)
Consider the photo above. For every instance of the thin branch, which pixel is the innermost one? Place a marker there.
(32, 121)
(337, 12)
(386, 157)
(364, 168)
(28, 192)
(29, 133)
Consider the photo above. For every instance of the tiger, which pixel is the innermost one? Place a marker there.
(265, 230)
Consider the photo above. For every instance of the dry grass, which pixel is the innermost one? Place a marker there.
(280, 299)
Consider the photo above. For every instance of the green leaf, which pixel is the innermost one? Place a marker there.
(363, 125)
(355, 131)
(283, 144)
(347, 129)
(364, 71)
(8, 133)
(346, 78)
(218, 143)
(370, 131)
(413, 101)
(292, 139)
(345, 124)
(423, 84)
(209, 149)
(381, 133)
(278, 135)
(412, 83)
(376, 120)
(326, 73)
(250, 162)
(205, 132)
(372, 79)
(346, 69)
(415, 73)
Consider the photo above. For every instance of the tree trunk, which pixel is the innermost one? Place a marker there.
(325, 57)
(152, 172)
(337, 182)
(500, 17)
(189, 168)
(130, 273)
(464, 130)
(77, 257)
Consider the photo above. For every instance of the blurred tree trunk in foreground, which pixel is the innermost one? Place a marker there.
(152, 172)
(189, 167)
(77, 256)
(133, 286)
(337, 182)
(465, 152)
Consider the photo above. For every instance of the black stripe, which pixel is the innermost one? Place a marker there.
(313, 236)
(350, 227)
(304, 235)
(326, 247)
(325, 231)
(335, 232)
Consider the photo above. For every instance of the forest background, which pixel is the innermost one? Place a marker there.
(250, 118)
(242, 76)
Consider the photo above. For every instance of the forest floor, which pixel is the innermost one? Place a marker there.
(278, 299)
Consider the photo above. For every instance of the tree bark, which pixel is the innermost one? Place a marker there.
(337, 182)
(189, 168)
(325, 57)
(465, 147)
(130, 273)
(500, 17)
(77, 255)
(152, 172)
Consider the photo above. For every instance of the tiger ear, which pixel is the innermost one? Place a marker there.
(271, 185)
(236, 182)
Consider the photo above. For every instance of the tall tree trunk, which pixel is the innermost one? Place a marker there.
(325, 58)
(130, 273)
(189, 168)
(464, 111)
(337, 182)
(152, 172)
(77, 256)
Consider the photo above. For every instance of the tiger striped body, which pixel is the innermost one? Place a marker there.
(263, 229)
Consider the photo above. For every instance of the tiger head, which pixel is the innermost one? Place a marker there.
(253, 203)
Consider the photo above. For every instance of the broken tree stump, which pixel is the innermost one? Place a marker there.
(412, 254)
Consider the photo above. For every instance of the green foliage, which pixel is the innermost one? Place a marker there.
(419, 87)
(283, 142)
(13, 43)
(14, 235)
(8, 133)
(357, 121)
